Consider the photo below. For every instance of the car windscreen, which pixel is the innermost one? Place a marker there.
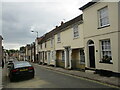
(19, 65)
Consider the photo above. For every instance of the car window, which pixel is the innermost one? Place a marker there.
(23, 64)
(10, 63)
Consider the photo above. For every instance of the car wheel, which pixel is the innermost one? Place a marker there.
(11, 79)
(32, 76)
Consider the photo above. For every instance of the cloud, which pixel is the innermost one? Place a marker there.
(43, 16)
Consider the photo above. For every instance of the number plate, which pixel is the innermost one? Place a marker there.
(24, 70)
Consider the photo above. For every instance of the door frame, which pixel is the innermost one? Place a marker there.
(91, 44)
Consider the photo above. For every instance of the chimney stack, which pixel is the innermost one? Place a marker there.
(56, 26)
(62, 22)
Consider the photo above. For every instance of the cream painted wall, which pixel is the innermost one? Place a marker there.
(119, 50)
(49, 49)
(119, 15)
(114, 44)
(91, 19)
(49, 45)
(68, 40)
(92, 33)
(119, 36)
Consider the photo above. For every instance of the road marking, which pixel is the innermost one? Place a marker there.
(49, 69)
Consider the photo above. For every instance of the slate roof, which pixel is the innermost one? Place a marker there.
(1, 37)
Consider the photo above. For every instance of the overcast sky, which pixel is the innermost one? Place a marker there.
(20, 17)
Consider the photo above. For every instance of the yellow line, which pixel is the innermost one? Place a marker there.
(112, 86)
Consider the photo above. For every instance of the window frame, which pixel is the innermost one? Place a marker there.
(51, 41)
(75, 31)
(100, 17)
(105, 46)
(41, 46)
(58, 38)
(82, 56)
(52, 55)
(45, 45)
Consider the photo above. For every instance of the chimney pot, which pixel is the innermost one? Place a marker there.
(62, 22)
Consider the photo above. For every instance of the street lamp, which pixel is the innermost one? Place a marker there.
(36, 32)
(35, 45)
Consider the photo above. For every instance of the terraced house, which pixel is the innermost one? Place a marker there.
(47, 48)
(69, 44)
(89, 41)
(101, 35)
(55, 48)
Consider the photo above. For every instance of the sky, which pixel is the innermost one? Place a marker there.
(19, 17)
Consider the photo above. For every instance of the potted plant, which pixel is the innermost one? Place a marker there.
(106, 59)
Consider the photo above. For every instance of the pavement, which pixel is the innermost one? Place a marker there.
(88, 74)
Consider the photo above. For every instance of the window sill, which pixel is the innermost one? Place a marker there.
(82, 63)
(76, 37)
(58, 42)
(105, 62)
(103, 26)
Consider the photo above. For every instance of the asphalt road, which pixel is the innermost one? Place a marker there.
(45, 78)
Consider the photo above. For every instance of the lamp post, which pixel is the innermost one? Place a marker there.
(36, 32)
(35, 46)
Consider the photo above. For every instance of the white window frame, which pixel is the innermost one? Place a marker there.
(51, 42)
(75, 31)
(106, 49)
(58, 38)
(41, 46)
(45, 44)
(103, 17)
(52, 55)
(82, 56)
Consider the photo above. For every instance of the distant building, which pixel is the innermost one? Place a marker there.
(27, 53)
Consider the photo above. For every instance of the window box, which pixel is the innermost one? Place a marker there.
(106, 59)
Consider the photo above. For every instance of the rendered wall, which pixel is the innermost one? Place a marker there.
(91, 32)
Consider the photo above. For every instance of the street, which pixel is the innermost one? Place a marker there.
(45, 78)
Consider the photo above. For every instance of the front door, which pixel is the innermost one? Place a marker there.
(92, 56)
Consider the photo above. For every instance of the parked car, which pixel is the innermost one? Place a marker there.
(9, 64)
(21, 69)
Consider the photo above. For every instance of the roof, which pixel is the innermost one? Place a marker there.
(39, 39)
(1, 37)
(88, 4)
(61, 28)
